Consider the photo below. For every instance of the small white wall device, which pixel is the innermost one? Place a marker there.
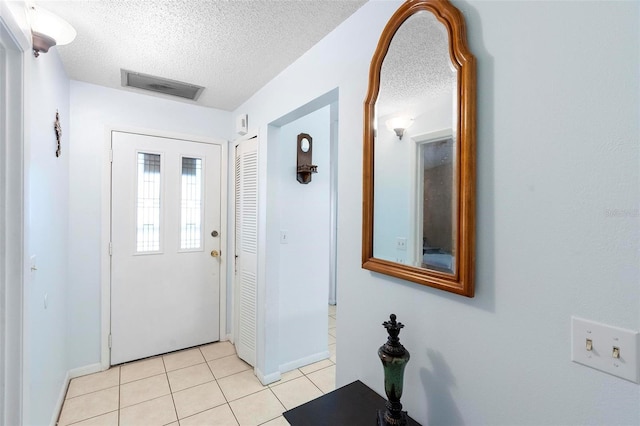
(242, 124)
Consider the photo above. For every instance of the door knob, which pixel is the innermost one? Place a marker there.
(215, 253)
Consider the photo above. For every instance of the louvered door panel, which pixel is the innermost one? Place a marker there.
(246, 247)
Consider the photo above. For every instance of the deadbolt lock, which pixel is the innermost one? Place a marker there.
(215, 253)
(214, 233)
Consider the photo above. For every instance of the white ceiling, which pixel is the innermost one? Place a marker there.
(230, 47)
(417, 72)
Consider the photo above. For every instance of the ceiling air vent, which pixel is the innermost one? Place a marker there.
(160, 85)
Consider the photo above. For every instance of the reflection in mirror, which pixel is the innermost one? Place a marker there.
(418, 220)
(413, 221)
(436, 198)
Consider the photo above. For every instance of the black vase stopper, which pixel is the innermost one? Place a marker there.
(394, 358)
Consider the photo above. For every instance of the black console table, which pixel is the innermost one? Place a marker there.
(352, 405)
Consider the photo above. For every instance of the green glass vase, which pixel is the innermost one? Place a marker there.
(394, 358)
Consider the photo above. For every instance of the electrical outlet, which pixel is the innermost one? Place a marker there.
(401, 243)
(603, 347)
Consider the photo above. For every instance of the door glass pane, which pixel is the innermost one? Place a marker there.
(148, 203)
(191, 204)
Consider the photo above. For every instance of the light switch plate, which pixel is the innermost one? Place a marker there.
(401, 243)
(604, 338)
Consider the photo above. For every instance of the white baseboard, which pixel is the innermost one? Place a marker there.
(87, 369)
(301, 362)
(60, 401)
(71, 374)
(267, 379)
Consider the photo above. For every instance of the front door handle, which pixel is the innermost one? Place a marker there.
(215, 253)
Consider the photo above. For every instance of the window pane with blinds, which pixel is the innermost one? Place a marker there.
(148, 203)
(191, 204)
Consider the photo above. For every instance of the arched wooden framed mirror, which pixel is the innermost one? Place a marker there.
(419, 150)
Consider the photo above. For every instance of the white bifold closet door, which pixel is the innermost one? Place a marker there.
(246, 243)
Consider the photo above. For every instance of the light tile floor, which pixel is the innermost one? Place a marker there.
(207, 385)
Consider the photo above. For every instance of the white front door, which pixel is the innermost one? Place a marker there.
(165, 230)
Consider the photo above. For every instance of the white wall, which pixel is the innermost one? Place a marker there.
(558, 86)
(45, 339)
(304, 213)
(96, 109)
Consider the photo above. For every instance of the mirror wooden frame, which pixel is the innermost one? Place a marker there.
(461, 281)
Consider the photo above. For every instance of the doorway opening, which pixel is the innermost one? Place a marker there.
(297, 259)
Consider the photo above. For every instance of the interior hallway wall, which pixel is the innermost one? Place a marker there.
(304, 259)
(94, 110)
(45, 326)
(557, 196)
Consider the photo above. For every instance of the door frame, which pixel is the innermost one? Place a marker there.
(14, 168)
(105, 240)
(417, 188)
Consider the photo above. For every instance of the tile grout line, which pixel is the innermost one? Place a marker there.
(85, 394)
(233, 413)
(281, 403)
(143, 378)
(175, 409)
(89, 418)
(215, 379)
(319, 369)
(314, 383)
(205, 410)
(287, 409)
(244, 396)
(142, 402)
(219, 387)
(185, 367)
(119, 392)
(89, 393)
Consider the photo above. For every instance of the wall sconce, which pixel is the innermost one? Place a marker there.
(399, 125)
(305, 168)
(48, 30)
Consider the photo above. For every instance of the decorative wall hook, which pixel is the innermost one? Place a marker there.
(305, 168)
(58, 129)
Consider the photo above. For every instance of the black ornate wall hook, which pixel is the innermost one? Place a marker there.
(58, 130)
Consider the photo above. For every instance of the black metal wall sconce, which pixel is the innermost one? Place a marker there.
(305, 168)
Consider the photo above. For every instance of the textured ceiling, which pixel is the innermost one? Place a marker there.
(230, 47)
(417, 70)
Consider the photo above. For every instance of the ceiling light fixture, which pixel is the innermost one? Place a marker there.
(48, 30)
